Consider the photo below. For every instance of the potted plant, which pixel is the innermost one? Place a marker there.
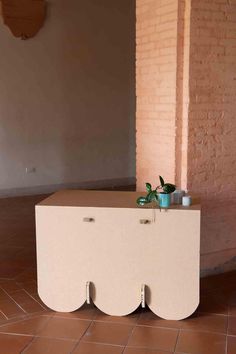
(153, 195)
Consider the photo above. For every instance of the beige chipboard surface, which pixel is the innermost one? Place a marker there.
(105, 239)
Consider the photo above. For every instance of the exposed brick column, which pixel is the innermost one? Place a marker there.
(212, 128)
(182, 94)
(156, 70)
(186, 107)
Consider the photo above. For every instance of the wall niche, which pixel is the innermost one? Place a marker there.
(23, 17)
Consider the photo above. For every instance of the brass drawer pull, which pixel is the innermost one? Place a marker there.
(88, 219)
(145, 221)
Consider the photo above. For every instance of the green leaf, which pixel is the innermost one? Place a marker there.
(162, 181)
(142, 201)
(148, 187)
(151, 196)
(168, 188)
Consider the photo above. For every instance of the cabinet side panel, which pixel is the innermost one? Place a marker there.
(119, 259)
(173, 291)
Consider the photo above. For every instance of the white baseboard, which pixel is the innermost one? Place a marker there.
(47, 189)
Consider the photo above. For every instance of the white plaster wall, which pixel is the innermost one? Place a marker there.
(67, 96)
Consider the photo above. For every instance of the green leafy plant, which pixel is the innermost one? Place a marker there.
(152, 194)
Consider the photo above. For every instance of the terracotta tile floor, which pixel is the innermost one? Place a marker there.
(27, 326)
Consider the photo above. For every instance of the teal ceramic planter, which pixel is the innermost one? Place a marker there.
(164, 200)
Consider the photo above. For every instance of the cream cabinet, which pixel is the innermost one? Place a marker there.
(101, 246)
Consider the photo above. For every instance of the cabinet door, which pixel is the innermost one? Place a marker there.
(173, 285)
(119, 258)
(162, 254)
(109, 252)
(63, 256)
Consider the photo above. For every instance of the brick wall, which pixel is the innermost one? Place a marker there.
(186, 107)
(212, 128)
(182, 94)
(156, 72)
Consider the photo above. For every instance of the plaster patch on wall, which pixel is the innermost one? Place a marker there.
(24, 18)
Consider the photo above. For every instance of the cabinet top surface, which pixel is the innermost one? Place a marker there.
(103, 199)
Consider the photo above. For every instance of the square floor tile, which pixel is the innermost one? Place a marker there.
(30, 286)
(231, 345)
(232, 325)
(26, 302)
(195, 342)
(11, 268)
(232, 309)
(12, 344)
(27, 276)
(130, 319)
(64, 328)
(37, 298)
(86, 312)
(214, 304)
(9, 286)
(109, 333)
(129, 350)
(148, 318)
(92, 348)
(10, 309)
(49, 346)
(2, 318)
(205, 322)
(29, 326)
(154, 338)
(3, 296)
